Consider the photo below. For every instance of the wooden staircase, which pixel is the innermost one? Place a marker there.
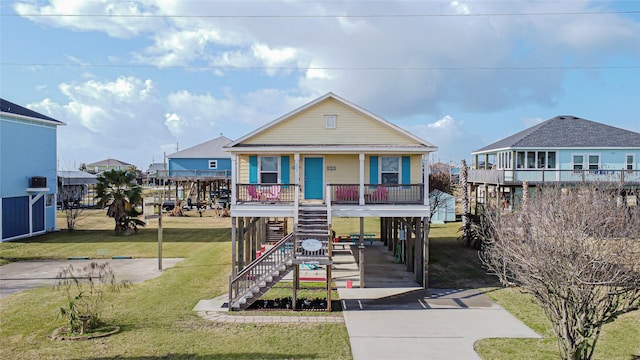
(275, 230)
(312, 224)
(261, 274)
(267, 270)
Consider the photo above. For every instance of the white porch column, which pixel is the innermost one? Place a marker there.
(296, 161)
(296, 180)
(361, 200)
(234, 177)
(425, 170)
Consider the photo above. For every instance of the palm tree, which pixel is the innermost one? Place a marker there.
(118, 190)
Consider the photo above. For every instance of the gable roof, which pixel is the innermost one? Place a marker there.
(76, 177)
(155, 167)
(7, 108)
(568, 131)
(109, 162)
(344, 102)
(209, 149)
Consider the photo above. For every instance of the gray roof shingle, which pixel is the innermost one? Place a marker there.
(11, 108)
(209, 149)
(568, 131)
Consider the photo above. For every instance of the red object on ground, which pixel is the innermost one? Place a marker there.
(262, 248)
(349, 284)
(258, 253)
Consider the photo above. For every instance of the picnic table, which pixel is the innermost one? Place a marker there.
(366, 237)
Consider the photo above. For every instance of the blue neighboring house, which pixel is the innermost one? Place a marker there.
(565, 150)
(200, 172)
(206, 159)
(28, 176)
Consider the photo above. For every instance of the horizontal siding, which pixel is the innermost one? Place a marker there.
(347, 168)
(243, 169)
(416, 169)
(308, 127)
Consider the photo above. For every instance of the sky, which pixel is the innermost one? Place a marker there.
(138, 80)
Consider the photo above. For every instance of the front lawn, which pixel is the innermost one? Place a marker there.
(156, 317)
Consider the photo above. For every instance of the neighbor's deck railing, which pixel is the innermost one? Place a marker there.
(377, 193)
(266, 193)
(506, 176)
(193, 174)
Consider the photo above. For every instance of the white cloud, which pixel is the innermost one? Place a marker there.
(399, 67)
(81, 15)
(116, 118)
(431, 61)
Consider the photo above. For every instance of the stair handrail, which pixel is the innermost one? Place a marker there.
(258, 269)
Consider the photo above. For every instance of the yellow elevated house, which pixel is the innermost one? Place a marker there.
(326, 159)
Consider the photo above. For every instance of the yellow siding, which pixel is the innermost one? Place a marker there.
(416, 169)
(243, 169)
(308, 127)
(347, 169)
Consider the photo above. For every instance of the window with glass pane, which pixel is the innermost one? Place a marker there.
(577, 162)
(594, 162)
(269, 169)
(551, 160)
(541, 160)
(630, 162)
(520, 160)
(390, 170)
(531, 159)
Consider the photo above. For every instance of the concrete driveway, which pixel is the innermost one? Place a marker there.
(412, 323)
(26, 275)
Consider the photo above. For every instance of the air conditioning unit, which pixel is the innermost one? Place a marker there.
(38, 182)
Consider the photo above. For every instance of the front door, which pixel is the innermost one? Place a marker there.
(313, 177)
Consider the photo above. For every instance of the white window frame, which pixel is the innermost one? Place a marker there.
(588, 161)
(331, 121)
(633, 161)
(260, 171)
(573, 164)
(381, 171)
(213, 164)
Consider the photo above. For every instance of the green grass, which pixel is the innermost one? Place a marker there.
(158, 322)
(156, 317)
(452, 265)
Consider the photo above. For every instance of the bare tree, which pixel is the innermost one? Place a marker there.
(577, 252)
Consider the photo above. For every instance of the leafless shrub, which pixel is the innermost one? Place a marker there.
(85, 288)
(577, 251)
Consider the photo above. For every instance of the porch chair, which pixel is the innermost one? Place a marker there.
(253, 193)
(274, 194)
(380, 195)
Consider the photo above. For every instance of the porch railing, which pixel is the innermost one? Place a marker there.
(258, 271)
(377, 193)
(266, 193)
(508, 176)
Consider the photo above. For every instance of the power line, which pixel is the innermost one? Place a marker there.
(337, 16)
(298, 68)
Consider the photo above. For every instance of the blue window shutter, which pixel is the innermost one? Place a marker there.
(373, 170)
(284, 169)
(406, 170)
(253, 169)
